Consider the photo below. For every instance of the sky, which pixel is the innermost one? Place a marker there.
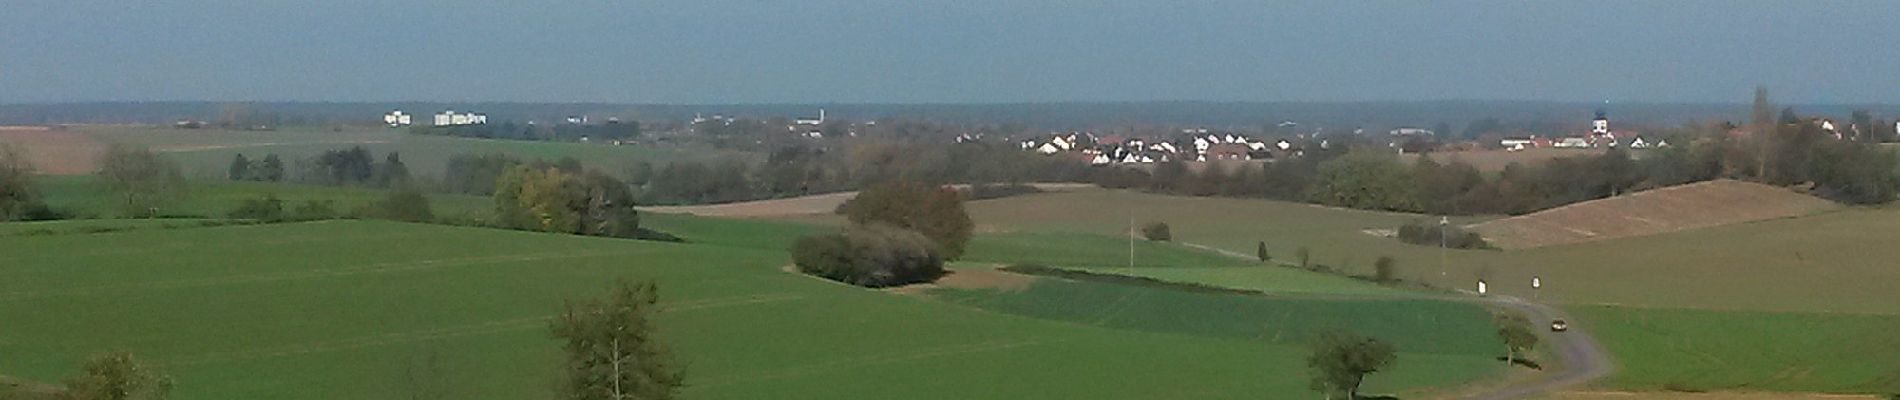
(957, 51)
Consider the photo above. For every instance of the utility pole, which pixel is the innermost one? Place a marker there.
(1131, 240)
(1442, 221)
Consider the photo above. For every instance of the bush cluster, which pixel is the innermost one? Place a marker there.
(1426, 234)
(271, 209)
(1156, 231)
(873, 255)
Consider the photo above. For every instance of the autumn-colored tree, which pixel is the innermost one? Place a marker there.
(936, 212)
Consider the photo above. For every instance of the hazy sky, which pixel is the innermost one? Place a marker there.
(718, 51)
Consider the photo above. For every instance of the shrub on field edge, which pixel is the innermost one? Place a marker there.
(1156, 231)
(870, 256)
(1420, 233)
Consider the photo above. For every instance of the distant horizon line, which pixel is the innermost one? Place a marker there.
(952, 103)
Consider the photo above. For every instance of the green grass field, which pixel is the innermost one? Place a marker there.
(84, 196)
(364, 309)
(208, 153)
(1422, 326)
(1797, 304)
(1703, 350)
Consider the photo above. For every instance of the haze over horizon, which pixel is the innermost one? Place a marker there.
(847, 51)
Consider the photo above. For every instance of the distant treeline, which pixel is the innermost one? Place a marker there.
(354, 166)
(555, 132)
(1334, 117)
(802, 170)
(1794, 152)
(797, 171)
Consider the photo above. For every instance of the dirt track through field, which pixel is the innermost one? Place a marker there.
(489, 327)
(55, 152)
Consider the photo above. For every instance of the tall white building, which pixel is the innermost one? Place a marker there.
(452, 118)
(396, 118)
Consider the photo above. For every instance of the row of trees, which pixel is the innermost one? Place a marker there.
(270, 169)
(801, 169)
(1788, 151)
(613, 130)
(354, 166)
(1846, 171)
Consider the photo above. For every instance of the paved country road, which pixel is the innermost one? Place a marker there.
(1581, 359)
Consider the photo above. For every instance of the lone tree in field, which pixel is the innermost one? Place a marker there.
(271, 170)
(1517, 334)
(1385, 270)
(240, 169)
(18, 195)
(1262, 253)
(1157, 231)
(936, 212)
(611, 353)
(118, 376)
(144, 180)
(1341, 361)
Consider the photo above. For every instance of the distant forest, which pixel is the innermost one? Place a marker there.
(1237, 116)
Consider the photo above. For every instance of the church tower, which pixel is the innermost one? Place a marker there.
(1601, 125)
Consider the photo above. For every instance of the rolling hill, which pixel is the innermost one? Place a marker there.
(1676, 208)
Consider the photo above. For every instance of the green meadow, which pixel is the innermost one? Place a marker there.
(366, 309)
(353, 309)
(84, 196)
(1707, 350)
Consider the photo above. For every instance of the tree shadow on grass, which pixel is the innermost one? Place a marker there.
(1524, 363)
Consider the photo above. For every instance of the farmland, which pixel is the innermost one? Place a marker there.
(354, 309)
(473, 300)
(1751, 306)
(54, 152)
(1676, 208)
